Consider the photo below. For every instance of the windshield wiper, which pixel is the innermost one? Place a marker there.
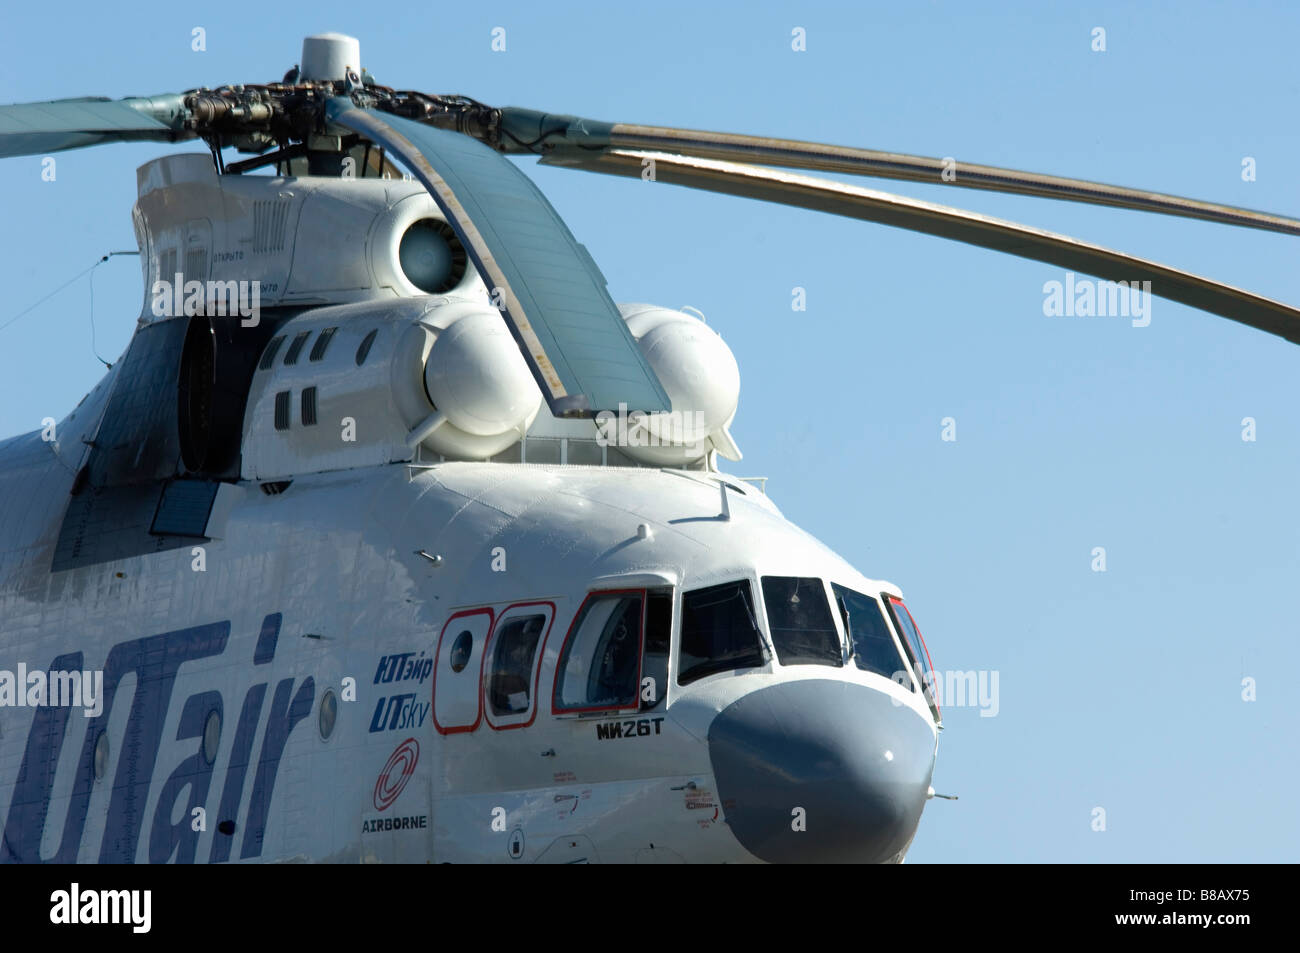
(848, 627)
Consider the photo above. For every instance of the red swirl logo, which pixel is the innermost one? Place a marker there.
(398, 770)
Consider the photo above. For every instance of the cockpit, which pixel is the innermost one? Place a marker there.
(619, 653)
(720, 631)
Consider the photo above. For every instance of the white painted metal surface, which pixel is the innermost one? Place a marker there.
(341, 630)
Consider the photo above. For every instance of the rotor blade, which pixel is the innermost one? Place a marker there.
(789, 188)
(551, 293)
(527, 130)
(40, 128)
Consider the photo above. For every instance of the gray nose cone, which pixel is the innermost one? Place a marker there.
(857, 764)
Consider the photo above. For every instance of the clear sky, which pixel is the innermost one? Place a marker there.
(1119, 690)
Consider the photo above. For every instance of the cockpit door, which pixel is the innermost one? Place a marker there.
(458, 671)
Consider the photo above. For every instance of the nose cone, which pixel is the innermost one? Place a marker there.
(857, 765)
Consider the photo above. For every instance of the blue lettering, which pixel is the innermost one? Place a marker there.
(155, 661)
(396, 707)
(240, 753)
(279, 724)
(377, 720)
(31, 799)
(195, 773)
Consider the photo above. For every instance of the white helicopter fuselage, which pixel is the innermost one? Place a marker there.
(365, 657)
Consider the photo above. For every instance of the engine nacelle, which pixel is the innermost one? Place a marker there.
(210, 242)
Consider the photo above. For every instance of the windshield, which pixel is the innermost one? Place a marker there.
(719, 631)
(800, 622)
(916, 648)
(874, 649)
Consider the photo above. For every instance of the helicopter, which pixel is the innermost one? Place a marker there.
(469, 508)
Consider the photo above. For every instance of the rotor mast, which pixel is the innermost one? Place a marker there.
(329, 58)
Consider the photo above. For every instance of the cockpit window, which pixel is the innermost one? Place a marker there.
(803, 632)
(600, 664)
(874, 649)
(915, 648)
(719, 632)
(658, 639)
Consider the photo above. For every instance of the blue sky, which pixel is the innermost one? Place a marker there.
(1119, 689)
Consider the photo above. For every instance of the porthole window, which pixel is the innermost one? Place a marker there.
(460, 651)
(329, 713)
(211, 736)
(101, 755)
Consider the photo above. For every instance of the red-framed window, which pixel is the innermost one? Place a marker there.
(512, 664)
(599, 667)
(916, 649)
